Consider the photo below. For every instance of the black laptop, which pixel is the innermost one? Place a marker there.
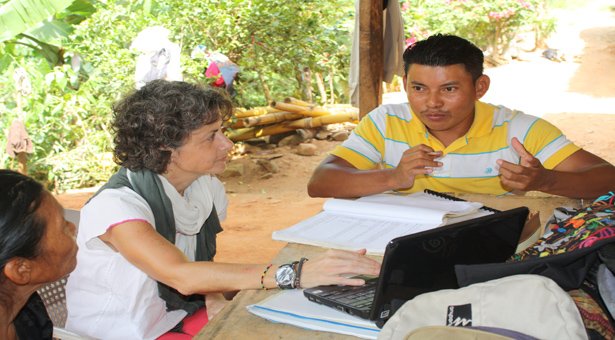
(425, 262)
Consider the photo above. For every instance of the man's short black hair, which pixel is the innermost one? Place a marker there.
(445, 50)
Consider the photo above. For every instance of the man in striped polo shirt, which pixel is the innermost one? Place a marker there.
(447, 140)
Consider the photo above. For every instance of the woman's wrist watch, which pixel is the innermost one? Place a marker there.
(288, 276)
(285, 275)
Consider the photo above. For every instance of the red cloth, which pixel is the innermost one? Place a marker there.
(213, 71)
(191, 326)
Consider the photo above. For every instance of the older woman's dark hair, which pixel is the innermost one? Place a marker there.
(21, 229)
(445, 50)
(152, 121)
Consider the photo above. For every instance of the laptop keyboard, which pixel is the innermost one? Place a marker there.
(360, 297)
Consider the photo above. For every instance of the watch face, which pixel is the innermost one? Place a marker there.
(285, 276)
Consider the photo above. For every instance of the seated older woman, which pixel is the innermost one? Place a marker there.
(37, 246)
(148, 238)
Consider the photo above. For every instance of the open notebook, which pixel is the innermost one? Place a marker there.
(371, 222)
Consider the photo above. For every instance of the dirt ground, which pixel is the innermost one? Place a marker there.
(576, 94)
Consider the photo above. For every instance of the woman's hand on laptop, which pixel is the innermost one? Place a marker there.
(334, 267)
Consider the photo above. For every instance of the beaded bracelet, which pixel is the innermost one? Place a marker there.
(263, 276)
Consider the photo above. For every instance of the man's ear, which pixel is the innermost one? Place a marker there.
(18, 270)
(482, 85)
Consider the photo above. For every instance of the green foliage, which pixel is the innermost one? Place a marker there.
(79, 60)
(18, 16)
(69, 110)
(60, 114)
(70, 140)
(566, 3)
(491, 24)
(272, 41)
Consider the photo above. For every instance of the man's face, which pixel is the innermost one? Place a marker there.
(443, 98)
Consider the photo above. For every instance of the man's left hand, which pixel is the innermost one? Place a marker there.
(528, 175)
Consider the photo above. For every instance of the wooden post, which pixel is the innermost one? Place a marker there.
(371, 55)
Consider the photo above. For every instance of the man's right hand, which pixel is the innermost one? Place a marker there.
(418, 160)
(336, 177)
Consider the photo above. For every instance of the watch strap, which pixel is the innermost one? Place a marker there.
(297, 283)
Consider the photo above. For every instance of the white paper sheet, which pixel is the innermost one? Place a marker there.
(371, 222)
(348, 232)
(291, 307)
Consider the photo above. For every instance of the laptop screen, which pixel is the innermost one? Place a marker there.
(424, 262)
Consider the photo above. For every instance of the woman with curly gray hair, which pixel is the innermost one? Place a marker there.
(148, 237)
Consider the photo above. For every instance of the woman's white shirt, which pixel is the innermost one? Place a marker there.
(109, 298)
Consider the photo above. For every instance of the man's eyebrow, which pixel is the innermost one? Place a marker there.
(452, 82)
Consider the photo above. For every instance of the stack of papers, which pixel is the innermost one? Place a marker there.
(371, 222)
(291, 307)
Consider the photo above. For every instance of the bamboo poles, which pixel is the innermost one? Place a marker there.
(310, 111)
(249, 133)
(291, 100)
(313, 122)
(257, 111)
(281, 117)
(270, 118)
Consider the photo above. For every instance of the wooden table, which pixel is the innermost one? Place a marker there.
(536, 202)
(235, 322)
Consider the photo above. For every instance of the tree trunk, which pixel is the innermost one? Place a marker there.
(260, 75)
(299, 79)
(265, 87)
(331, 87)
(321, 88)
(307, 84)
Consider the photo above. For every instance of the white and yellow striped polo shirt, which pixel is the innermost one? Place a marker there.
(469, 163)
